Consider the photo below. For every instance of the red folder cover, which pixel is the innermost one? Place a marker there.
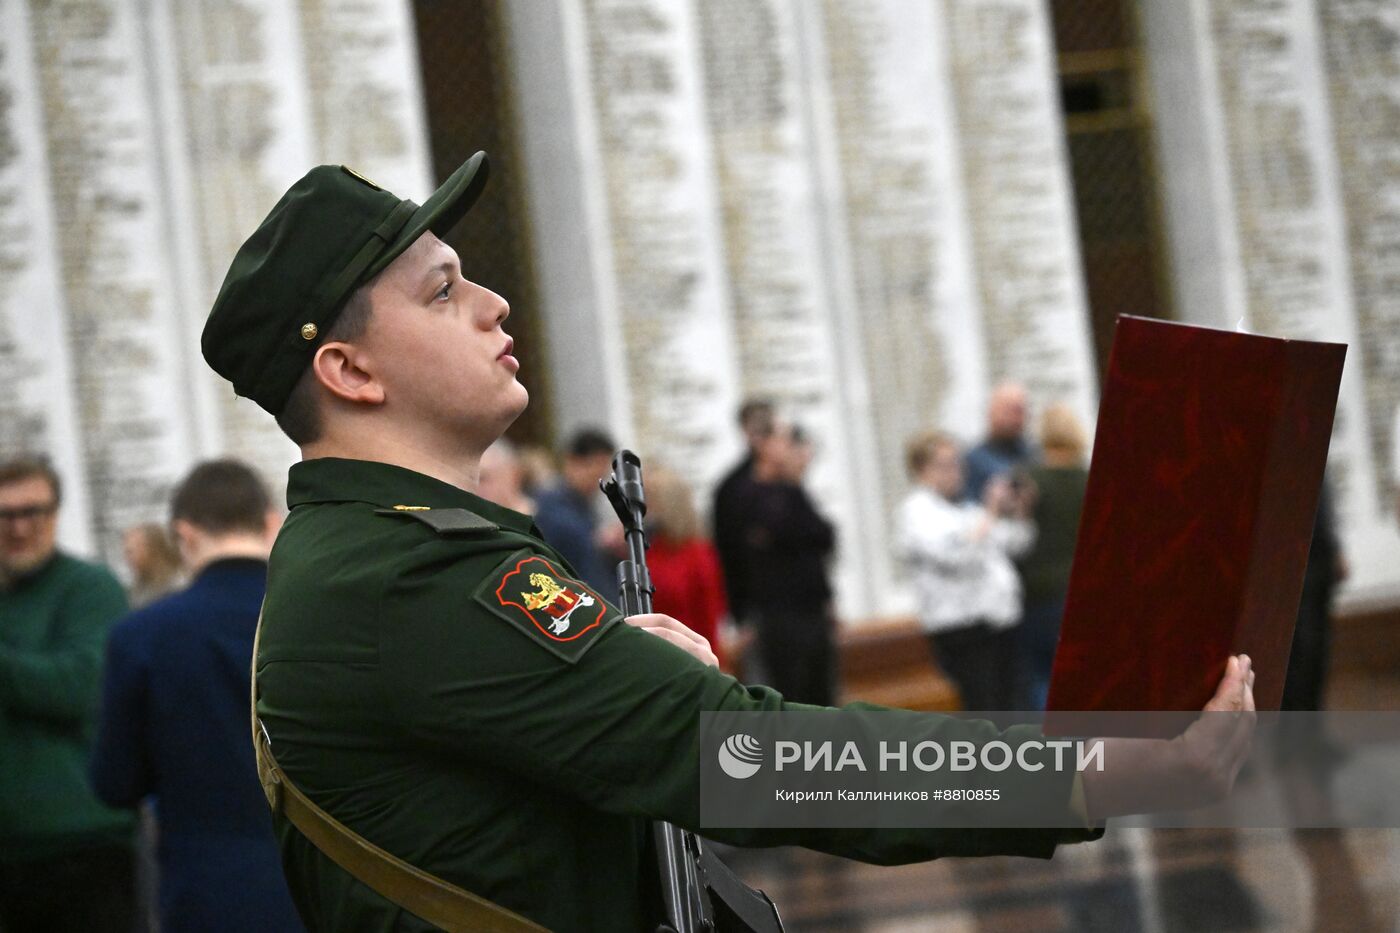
(1208, 461)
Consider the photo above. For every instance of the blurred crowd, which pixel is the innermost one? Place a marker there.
(986, 536)
(124, 718)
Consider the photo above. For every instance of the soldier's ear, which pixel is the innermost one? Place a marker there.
(346, 372)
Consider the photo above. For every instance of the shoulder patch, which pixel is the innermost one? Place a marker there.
(563, 614)
(443, 521)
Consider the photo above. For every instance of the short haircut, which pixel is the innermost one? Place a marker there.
(29, 466)
(920, 448)
(756, 414)
(221, 497)
(586, 442)
(300, 418)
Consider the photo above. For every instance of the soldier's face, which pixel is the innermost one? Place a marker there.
(443, 357)
(28, 525)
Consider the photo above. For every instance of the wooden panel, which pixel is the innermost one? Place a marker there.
(889, 663)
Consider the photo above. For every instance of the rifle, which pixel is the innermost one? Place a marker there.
(699, 892)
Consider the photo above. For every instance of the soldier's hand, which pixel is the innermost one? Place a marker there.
(1217, 744)
(1196, 768)
(674, 631)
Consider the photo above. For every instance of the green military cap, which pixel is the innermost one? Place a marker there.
(331, 232)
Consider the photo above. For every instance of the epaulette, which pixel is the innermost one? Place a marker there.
(443, 521)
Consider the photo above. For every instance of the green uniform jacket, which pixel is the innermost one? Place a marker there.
(461, 700)
(53, 626)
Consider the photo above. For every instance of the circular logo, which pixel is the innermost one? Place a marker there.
(740, 756)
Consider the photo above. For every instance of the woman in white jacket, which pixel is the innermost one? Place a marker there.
(959, 554)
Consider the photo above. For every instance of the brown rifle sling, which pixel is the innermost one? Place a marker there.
(424, 895)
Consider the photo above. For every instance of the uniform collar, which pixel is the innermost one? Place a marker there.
(333, 479)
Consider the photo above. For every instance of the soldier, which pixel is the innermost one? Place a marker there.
(433, 679)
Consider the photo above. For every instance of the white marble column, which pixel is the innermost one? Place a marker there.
(38, 413)
(772, 198)
(1269, 137)
(122, 329)
(148, 138)
(631, 258)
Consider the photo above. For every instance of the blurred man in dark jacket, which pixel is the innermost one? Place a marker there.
(788, 545)
(756, 421)
(567, 515)
(1005, 447)
(1312, 635)
(175, 718)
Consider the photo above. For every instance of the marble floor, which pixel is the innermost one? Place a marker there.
(1134, 879)
(1154, 880)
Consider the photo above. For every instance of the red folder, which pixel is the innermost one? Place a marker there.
(1208, 461)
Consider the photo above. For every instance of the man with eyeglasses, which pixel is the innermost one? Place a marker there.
(65, 859)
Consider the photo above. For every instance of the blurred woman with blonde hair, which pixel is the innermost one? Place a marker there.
(684, 565)
(1060, 480)
(154, 563)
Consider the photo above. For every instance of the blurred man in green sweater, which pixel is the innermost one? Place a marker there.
(65, 859)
